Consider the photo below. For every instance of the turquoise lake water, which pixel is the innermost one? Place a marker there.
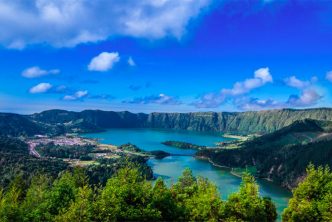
(170, 168)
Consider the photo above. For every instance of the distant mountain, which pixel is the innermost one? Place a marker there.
(283, 155)
(18, 125)
(89, 120)
(260, 122)
(231, 122)
(62, 121)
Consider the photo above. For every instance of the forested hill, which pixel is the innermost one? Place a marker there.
(59, 121)
(281, 156)
(17, 125)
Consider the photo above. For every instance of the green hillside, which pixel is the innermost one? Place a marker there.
(281, 156)
(18, 125)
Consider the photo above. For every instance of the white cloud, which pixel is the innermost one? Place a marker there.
(79, 95)
(294, 82)
(131, 62)
(329, 76)
(61, 23)
(262, 76)
(40, 88)
(104, 61)
(161, 99)
(35, 71)
(308, 97)
(245, 103)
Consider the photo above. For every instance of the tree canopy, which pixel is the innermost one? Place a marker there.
(128, 196)
(312, 199)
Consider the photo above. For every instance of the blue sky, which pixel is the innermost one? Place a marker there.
(165, 55)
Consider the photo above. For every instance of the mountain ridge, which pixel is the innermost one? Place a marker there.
(250, 122)
(260, 122)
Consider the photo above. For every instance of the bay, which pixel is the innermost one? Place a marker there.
(170, 168)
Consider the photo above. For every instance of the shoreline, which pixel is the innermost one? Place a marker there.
(230, 169)
(219, 166)
(237, 137)
(232, 172)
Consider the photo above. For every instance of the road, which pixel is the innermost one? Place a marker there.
(32, 150)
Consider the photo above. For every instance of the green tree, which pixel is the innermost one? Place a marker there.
(80, 210)
(126, 196)
(34, 205)
(9, 202)
(247, 205)
(312, 199)
(61, 195)
(205, 203)
(199, 199)
(163, 201)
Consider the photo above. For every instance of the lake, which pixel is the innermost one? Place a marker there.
(170, 168)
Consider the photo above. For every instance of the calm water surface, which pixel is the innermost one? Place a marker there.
(170, 168)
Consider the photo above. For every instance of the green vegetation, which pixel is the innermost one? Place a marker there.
(246, 206)
(240, 171)
(183, 145)
(130, 147)
(159, 154)
(312, 199)
(72, 152)
(15, 160)
(281, 156)
(105, 168)
(128, 196)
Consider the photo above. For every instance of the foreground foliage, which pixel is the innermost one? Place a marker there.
(128, 196)
(312, 199)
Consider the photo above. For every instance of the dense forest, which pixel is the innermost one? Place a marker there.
(128, 196)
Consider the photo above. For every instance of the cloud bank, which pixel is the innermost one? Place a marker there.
(261, 77)
(61, 23)
(238, 94)
(308, 96)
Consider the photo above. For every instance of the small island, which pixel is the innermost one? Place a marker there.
(183, 145)
(158, 154)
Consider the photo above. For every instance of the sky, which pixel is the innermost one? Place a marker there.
(165, 55)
